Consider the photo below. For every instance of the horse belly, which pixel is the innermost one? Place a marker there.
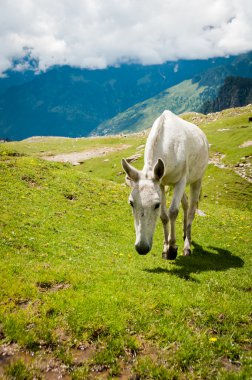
(197, 163)
(174, 174)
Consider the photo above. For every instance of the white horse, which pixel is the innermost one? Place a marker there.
(176, 154)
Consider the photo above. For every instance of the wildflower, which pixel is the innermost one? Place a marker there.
(213, 339)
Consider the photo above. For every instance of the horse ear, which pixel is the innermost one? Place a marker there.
(159, 169)
(132, 173)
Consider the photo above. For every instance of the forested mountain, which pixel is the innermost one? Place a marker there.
(67, 101)
(212, 90)
(235, 92)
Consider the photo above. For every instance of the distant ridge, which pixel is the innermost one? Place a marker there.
(235, 92)
(212, 90)
(71, 102)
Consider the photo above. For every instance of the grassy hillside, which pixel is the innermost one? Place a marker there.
(229, 133)
(76, 299)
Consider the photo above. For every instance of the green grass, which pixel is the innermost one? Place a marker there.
(72, 285)
(228, 141)
(42, 146)
(227, 131)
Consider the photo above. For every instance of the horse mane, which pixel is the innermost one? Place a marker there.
(153, 140)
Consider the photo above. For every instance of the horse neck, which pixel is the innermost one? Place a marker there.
(147, 171)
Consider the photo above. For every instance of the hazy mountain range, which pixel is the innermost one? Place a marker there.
(67, 101)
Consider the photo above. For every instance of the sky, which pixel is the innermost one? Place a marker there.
(101, 33)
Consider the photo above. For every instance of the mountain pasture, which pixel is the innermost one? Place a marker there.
(78, 302)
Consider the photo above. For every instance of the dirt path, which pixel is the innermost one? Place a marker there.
(76, 158)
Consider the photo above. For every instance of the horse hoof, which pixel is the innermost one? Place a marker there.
(164, 256)
(172, 252)
(187, 252)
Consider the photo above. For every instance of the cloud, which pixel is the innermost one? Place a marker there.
(98, 33)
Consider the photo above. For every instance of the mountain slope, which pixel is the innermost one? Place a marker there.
(206, 92)
(235, 92)
(180, 98)
(72, 102)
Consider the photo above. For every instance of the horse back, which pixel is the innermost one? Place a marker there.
(181, 145)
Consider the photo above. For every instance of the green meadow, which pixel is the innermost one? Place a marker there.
(77, 302)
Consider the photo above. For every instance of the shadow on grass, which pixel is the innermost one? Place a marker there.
(214, 259)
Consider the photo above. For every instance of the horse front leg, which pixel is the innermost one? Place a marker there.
(172, 249)
(195, 189)
(165, 221)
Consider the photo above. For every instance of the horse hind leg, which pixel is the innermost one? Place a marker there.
(165, 221)
(184, 202)
(195, 190)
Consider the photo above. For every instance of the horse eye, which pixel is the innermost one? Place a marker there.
(131, 203)
(157, 206)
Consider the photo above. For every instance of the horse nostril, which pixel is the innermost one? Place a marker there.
(142, 248)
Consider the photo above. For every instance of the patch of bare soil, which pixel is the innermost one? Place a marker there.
(147, 349)
(134, 157)
(82, 353)
(42, 362)
(76, 158)
(243, 168)
(216, 160)
(31, 182)
(246, 144)
(230, 365)
(51, 286)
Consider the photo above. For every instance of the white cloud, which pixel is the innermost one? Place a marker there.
(97, 33)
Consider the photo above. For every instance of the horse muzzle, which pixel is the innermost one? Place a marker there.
(142, 248)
